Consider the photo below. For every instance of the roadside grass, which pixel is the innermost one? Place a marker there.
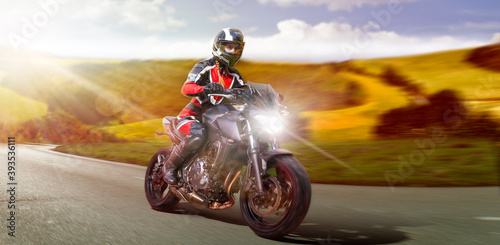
(455, 162)
(138, 153)
(139, 131)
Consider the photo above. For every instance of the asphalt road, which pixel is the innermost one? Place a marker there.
(61, 199)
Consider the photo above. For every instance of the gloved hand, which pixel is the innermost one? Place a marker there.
(213, 88)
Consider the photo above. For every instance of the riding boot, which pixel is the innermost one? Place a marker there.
(170, 167)
(179, 153)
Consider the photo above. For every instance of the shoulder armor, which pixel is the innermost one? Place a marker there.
(199, 69)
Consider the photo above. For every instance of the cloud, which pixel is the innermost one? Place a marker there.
(151, 29)
(476, 26)
(250, 29)
(332, 5)
(297, 40)
(150, 47)
(222, 17)
(495, 39)
(147, 15)
(486, 25)
(71, 15)
(80, 22)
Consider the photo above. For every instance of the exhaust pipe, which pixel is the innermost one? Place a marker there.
(190, 197)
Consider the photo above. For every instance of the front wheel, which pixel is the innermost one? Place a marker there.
(286, 201)
(157, 192)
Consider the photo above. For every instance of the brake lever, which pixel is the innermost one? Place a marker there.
(227, 96)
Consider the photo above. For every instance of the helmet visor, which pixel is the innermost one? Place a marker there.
(234, 48)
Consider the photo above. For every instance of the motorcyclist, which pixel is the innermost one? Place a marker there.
(208, 76)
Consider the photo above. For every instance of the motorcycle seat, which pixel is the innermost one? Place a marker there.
(170, 125)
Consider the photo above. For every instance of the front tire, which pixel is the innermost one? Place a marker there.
(287, 198)
(157, 192)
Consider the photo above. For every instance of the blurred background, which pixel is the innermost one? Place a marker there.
(407, 92)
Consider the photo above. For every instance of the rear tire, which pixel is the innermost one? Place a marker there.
(288, 196)
(157, 192)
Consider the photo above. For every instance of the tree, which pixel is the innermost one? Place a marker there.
(444, 107)
(487, 57)
(394, 78)
(355, 94)
(445, 111)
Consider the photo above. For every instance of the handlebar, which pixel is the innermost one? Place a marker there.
(229, 93)
(228, 96)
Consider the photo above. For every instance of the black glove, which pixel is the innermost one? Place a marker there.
(213, 88)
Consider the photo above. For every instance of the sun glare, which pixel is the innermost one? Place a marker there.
(34, 82)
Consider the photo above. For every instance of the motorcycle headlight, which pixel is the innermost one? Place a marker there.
(270, 124)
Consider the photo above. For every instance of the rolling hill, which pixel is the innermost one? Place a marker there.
(434, 72)
(99, 92)
(16, 108)
(441, 70)
(128, 98)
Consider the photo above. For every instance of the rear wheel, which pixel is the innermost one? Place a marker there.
(287, 190)
(157, 192)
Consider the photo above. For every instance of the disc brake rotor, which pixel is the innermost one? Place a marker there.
(270, 202)
(157, 174)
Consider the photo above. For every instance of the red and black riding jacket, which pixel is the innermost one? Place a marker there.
(205, 72)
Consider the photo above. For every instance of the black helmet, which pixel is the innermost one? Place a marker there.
(228, 46)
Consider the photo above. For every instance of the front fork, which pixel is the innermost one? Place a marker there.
(255, 164)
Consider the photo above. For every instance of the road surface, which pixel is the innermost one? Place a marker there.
(62, 199)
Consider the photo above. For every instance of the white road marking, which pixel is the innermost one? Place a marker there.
(308, 224)
(489, 218)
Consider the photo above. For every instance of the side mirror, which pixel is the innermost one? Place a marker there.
(281, 97)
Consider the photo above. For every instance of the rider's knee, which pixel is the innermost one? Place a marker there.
(195, 141)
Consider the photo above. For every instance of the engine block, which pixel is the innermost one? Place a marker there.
(197, 174)
(201, 171)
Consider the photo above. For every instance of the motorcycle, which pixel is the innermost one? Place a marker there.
(242, 155)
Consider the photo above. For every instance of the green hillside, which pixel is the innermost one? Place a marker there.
(16, 108)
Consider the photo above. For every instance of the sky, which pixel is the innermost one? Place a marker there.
(275, 30)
